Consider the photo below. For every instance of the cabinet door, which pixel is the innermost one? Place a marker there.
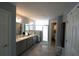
(23, 45)
(27, 43)
(31, 41)
(18, 50)
(20, 47)
(34, 40)
(37, 39)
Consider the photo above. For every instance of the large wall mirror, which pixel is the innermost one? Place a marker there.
(18, 28)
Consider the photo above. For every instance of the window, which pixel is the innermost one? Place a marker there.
(37, 27)
(31, 27)
(26, 27)
(42, 22)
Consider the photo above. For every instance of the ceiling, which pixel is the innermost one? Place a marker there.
(43, 10)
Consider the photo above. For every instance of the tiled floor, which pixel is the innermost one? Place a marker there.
(40, 49)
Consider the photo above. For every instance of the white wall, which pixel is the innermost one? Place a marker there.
(25, 20)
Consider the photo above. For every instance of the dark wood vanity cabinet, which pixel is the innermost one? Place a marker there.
(35, 39)
(20, 47)
(25, 44)
(31, 41)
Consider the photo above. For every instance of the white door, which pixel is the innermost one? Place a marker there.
(72, 33)
(4, 32)
(68, 36)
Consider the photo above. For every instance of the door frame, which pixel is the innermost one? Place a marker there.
(63, 34)
(52, 33)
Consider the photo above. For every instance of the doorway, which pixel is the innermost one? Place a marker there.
(45, 33)
(63, 34)
(53, 32)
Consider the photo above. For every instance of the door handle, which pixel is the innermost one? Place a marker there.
(5, 45)
(66, 40)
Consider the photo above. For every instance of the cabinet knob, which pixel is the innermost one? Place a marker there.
(66, 40)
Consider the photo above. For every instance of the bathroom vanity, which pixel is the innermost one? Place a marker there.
(25, 42)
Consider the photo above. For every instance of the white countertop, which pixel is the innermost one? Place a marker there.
(25, 37)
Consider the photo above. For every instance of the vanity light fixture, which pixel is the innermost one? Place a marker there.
(18, 20)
